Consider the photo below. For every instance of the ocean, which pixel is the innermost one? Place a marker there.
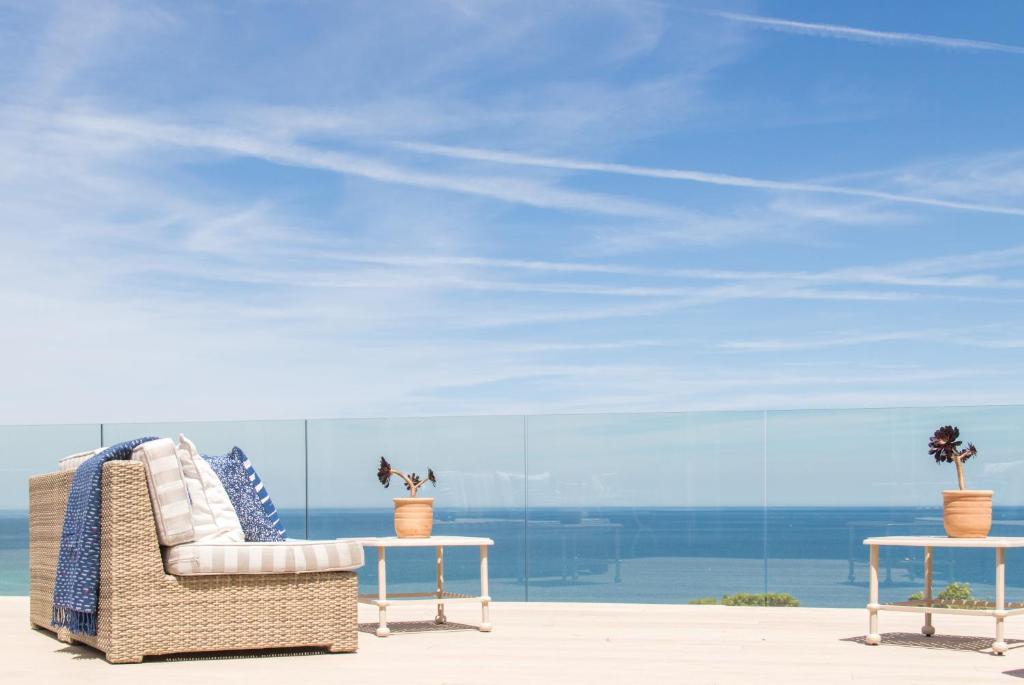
(648, 555)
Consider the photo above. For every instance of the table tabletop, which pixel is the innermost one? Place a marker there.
(944, 541)
(432, 541)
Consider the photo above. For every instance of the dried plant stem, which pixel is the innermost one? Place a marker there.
(959, 471)
(413, 487)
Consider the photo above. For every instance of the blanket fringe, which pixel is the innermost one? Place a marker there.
(81, 622)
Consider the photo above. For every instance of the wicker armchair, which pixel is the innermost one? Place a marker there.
(143, 611)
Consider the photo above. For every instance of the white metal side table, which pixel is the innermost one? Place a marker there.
(927, 605)
(382, 599)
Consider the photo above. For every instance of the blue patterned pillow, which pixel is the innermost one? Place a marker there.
(261, 492)
(256, 524)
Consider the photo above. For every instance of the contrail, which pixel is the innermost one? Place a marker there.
(867, 35)
(501, 157)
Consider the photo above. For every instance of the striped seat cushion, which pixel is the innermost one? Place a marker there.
(172, 508)
(290, 556)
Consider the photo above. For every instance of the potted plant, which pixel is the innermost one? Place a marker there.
(414, 516)
(965, 513)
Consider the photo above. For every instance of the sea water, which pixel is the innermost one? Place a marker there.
(647, 555)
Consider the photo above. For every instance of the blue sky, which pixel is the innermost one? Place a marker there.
(259, 210)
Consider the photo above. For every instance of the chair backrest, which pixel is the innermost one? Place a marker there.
(129, 550)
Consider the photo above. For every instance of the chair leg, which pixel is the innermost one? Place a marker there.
(343, 648)
(115, 658)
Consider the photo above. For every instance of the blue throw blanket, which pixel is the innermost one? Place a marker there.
(76, 590)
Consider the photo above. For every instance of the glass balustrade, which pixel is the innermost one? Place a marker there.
(658, 507)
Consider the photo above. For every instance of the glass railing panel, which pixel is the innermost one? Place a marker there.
(663, 508)
(277, 450)
(28, 451)
(836, 477)
(480, 492)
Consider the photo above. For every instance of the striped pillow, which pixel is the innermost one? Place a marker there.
(261, 492)
(172, 508)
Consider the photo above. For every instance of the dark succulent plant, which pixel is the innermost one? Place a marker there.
(944, 445)
(412, 481)
(384, 472)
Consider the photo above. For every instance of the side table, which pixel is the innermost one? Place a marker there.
(927, 605)
(382, 600)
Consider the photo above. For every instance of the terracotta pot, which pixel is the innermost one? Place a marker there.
(967, 513)
(414, 517)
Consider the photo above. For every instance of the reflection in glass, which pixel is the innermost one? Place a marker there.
(645, 507)
(836, 477)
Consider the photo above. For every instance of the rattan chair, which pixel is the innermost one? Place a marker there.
(143, 611)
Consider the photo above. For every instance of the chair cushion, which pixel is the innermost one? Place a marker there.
(289, 556)
(73, 461)
(167, 491)
(213, 516)
(256, 524)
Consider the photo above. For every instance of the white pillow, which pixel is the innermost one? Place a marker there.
(213, 516)
(72, 462)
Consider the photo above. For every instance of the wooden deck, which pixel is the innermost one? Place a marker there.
(569, 643)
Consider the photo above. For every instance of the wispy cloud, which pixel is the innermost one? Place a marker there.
(998, 176)
(856, 339)
(867, 35)
(507, 189)
(570, 164)
(917, 273)
(425, 281)
(818, 343)
(529, 348)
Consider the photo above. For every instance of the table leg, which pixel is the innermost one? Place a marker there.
(382, 593)
(485, 598)
(873, 637)
(440, 618)
(928, 629)
(999, 646)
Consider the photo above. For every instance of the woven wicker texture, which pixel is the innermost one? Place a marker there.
(143, 611)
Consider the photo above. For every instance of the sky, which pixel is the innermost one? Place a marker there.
(220, 210)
